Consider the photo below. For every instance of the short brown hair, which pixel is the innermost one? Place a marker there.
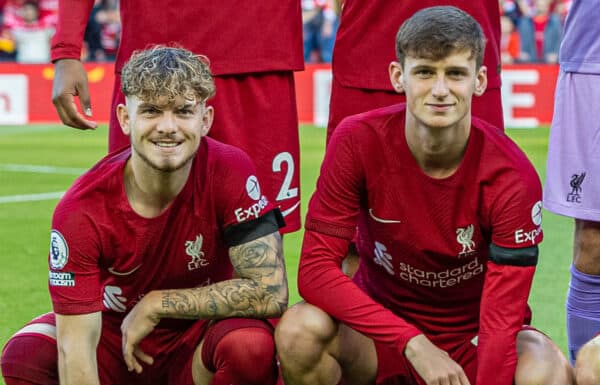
(167, 71)
(433, 33)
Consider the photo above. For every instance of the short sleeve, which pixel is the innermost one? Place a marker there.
(74, 272)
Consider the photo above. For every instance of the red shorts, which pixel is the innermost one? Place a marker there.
(171, 366)
(462, 349)
(346, 101)
(257, 113)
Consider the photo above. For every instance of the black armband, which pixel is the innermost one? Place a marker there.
(527, 256)
(253, 229)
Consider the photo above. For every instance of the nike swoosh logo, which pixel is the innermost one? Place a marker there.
(381, 220)
(123, 273)
(285, 213)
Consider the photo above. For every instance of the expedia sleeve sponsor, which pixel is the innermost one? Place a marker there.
(61, 278)
(252, 212)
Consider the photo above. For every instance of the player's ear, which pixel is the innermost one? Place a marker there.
(123, 117)
(396, 76)
(480, 81)
(207, 119)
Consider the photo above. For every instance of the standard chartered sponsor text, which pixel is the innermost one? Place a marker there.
(444, 278)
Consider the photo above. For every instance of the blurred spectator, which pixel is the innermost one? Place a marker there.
(102, 32)
(47, 13)
(510, 9)
(320, 19)
(540, 31)
(7, 46)
(110, 20)
(92, 47)
(510, 44)
(31, 34)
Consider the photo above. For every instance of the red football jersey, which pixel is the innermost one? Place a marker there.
(237, 38)
(424, 243)
(105, 257)
(364, 45)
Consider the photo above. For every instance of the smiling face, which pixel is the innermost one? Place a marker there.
(165, 134)
(439, 92)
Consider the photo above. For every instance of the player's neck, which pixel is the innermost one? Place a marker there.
(438, 150)
(150, 192)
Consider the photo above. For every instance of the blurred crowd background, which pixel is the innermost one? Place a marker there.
(531, 30)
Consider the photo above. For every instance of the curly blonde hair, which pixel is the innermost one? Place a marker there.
(165, 71)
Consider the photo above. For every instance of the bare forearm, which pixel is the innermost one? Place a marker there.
(75, 369)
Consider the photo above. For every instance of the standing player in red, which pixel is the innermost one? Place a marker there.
(364, 49)
(143, 249)
(448, 216)
(253, 50)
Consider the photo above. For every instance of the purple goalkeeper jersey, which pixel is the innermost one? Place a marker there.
(580, 47)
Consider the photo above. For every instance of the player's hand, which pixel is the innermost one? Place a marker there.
(433, 364)
(135, 327)
(70, 80)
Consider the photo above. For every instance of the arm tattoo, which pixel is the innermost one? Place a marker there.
(259, 292)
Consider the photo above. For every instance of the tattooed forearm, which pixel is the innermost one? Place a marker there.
(260, 292)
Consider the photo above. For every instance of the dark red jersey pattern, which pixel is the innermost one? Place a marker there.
(424, 243)
(105, 257)
(237, 38)
(361, 59)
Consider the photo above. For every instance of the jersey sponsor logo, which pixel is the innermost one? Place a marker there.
(251, 212)
(59, 250)
(194, 250)
(123, 273)
(382, 258)
(441, 279)
(576, 189)
(113, 299)
(381, 220)
(61, 278)
(253, 187)
(522, 236)
(536, 213)
(464, 236)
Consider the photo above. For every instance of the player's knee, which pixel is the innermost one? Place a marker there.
(30, 358)
(249, 354)
(541, 362)
(587, 365)
(303, 333)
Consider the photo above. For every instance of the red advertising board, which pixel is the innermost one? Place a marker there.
(36, 92)
(25, 93)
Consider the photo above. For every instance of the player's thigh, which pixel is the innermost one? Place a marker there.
(540, 361)
(586, 256)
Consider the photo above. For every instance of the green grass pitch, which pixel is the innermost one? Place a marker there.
(60, 154)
